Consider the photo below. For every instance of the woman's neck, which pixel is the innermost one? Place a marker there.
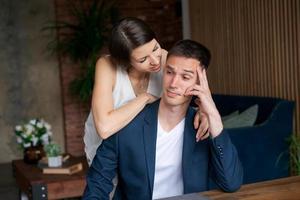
(137, 75)
(139, 81)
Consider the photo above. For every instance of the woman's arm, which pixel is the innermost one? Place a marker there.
(107, 119)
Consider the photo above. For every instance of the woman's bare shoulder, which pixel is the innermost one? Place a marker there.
(105, 71)
(105, 63)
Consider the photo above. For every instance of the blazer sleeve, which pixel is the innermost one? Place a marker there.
(102, 171)
(227, 170)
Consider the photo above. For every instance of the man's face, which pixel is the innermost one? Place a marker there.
(179, 74)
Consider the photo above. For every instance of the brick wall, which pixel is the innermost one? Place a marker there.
(161, 15)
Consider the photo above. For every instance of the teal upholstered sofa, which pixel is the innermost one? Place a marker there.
(259, 146)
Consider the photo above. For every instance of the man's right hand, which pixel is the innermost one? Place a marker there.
(206, 103)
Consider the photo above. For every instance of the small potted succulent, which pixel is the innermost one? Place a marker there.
(53, 153)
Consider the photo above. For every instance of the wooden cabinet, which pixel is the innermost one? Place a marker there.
(37, 185)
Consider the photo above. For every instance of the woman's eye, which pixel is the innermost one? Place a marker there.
(142, 60)
(169, 72)
(155, 48)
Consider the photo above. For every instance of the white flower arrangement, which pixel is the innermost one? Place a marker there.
(33, 133)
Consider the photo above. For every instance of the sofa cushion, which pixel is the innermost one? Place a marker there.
(245, 118)
(231, 115)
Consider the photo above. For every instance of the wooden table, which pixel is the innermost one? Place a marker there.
(37, 185)
(278, 189)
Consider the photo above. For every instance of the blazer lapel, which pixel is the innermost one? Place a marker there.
(150, 134)
(188, 143)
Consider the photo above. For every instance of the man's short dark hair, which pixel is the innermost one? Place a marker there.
(191, 49)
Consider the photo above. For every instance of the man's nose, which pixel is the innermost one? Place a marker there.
(154, 60)
(174, 82)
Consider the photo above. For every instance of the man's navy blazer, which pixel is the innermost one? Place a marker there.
(131, 154)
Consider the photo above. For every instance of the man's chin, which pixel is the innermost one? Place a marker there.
(174, 101)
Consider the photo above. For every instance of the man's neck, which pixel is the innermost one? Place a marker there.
(169, 116)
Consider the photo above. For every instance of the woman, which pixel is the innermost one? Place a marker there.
(125, 81)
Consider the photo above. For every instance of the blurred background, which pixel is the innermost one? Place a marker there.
(49, 48)
(255, 51)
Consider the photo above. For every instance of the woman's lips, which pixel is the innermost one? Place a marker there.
(155, 68)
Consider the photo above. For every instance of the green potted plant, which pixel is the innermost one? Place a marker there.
(295, 153)
(83, 38)
(53, 153)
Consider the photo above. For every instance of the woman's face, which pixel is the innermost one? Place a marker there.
(147, 58)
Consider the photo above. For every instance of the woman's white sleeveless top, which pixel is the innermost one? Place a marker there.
(122, 93)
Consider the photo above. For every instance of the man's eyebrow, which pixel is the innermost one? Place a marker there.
(188, 71)
(170, 67)
(185, 70)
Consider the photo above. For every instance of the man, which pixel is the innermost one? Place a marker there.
(156, 155)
